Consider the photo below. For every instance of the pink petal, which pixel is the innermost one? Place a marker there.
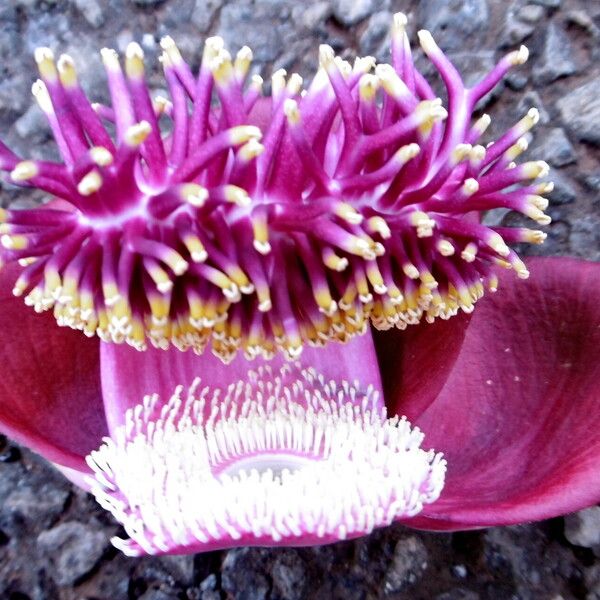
(49, 382)
(129, 375)
(519, 416)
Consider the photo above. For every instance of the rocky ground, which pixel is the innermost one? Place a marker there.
(54, 539)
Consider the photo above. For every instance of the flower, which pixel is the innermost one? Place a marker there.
(509, 394)
(267, 223)
(281, 224)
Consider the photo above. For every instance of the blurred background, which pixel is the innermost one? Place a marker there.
(54, 539)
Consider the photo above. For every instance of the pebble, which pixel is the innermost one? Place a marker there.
(533, 100)
(584, 241)
(557, 57)
(92, 11)
(563, 192)
(580, 112)
(452, 21)
(73, 549)
(204, 12)
(409, 563)
(375, 39)
(312, 17)
(458, 594)
(548, 3)
(583, 528)
(555, 148)
(531, 13)
(351, 12)
(241, 576)
(289, 576)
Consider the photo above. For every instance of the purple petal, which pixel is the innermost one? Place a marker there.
(49, 382)
(519, 416)
(129, 375)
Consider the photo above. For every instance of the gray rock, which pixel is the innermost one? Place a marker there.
(204, 12)
(312, 17)
(548, 3)
(583, 528)
(584, 241)
(180, 567)
(555, 148)
(33, 124)
(516, 31)
(73, 550)
(458, 594)
(160, 594)
(263, 26)
(580, 112)
(563, 192)
(241, 576)
(92, 11)
(350, 12)
(289, 576)
(452, 20)
(531, 13)
(210, 583)
(557, 57)
(145, 3)
(37, 502)
(408, 565)
(375, 39)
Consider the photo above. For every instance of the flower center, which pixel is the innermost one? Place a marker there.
(284, 458)
(263, 224)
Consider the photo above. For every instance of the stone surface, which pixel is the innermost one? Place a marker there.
(350, 12)
(583, 528)
(557, 57)
(73, 550)
(580, 112)
(408, 565)
(451, 21)
(555, 148)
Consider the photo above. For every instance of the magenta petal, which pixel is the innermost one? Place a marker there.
(129, 375)
(49, 382)
(519, 416)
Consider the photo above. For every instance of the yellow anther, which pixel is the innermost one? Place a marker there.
(222, 68)
(410, 271)
(444, 247)
(134, 61)
(534, 236)
(26, 169)
(470, 187)
(243, 133)
(291, 110)
(497, 244)
(545, 187)
(237, 195)
(461, 152)
(520, 56)
(391, 82)
(66, 71)
(492, 283)
(14, 242)
(538, 201)
(44, 57)
(40, 92)
(348, 213)
(250, 150)
(169, 46)
(519, 266)
(256, 83)
(363, 64)
(110, 58)
(423, 223)
(294, 84)
(469, 253)
(242, 62)
(528, 121)
(427, 42)
(101, 156)
(3, 216)
(535, 169)
(278, 82)
(332, 261)
(90, 183)
(477, 154)
(378, 225)
(160, 277)
(482, 123)
(261, 235)
(517, 149)
(160, 104)
(195, 247)
(136, 134)
(212, 46)
(175, 261)
(326, 56)
(368, 86)
(344, 67)
(194, 194)
(533, 212)
(110, 293)
(407, 153)
(399, 25)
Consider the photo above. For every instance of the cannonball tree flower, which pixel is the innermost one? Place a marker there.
(274, 224)
(267, 223)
